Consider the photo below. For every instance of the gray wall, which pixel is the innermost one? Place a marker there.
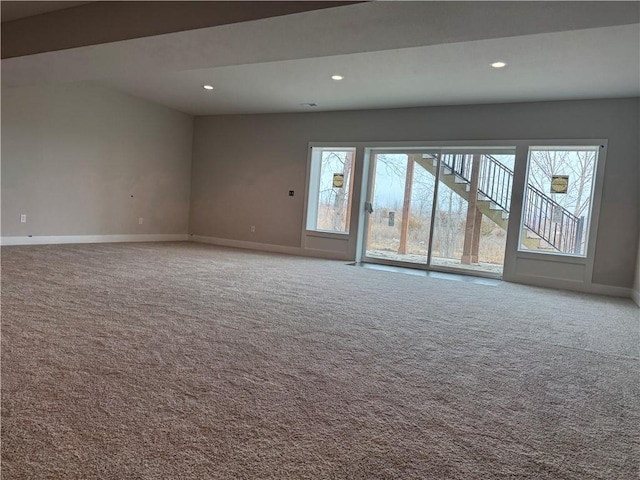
(72, 157)
(636, 286)
(244, 165)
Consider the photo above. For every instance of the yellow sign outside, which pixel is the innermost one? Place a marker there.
(338, 180)
(559, 183)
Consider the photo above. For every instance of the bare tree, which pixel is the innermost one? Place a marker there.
(449, 221)
(334, 200)
(578, 165)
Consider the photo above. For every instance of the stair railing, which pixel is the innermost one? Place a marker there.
(494, 181)
(545, 217)
(552, 222)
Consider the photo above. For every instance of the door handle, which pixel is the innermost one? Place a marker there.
(368, 207)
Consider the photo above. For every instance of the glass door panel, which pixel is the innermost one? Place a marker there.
(472, 211)
(400, 206)
(444, 210)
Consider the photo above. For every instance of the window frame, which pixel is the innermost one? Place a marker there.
(312, 200)
(598, 169)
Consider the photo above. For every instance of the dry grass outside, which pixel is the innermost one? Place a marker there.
(448, 240)
(332, 218)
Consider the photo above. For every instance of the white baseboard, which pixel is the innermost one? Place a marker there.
(328, 255)
(611, 291)
(262, 247)
(635, 294)
(60, 239)
(562, 284)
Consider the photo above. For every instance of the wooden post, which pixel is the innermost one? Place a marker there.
(475, 248)
(472, 214)
(404, 229)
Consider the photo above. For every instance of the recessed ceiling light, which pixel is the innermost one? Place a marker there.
(498, 64)
(207, 87)
(336, 77)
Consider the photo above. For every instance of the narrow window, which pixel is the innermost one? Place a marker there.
(558, 199)
(330, 188)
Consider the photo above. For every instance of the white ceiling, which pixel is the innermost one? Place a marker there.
(392, 54)
(565, 65)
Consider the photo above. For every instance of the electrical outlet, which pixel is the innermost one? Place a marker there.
(23, 218)
(253, 228)
(140, 221)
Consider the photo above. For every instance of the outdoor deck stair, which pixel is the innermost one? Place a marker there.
(547, 224)
(461, 186)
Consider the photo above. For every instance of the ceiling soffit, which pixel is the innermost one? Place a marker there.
(93, 23)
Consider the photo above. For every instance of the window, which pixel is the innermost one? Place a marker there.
(558, 199)
(330, 189)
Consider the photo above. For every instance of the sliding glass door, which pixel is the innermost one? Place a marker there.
(443, 209)
(400, 206)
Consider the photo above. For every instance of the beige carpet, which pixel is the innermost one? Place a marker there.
(186, 361)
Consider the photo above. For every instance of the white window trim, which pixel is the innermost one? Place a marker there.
(512, 271)
(578, 147)
(313, 188)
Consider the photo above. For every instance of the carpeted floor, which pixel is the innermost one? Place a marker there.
(187, 361)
